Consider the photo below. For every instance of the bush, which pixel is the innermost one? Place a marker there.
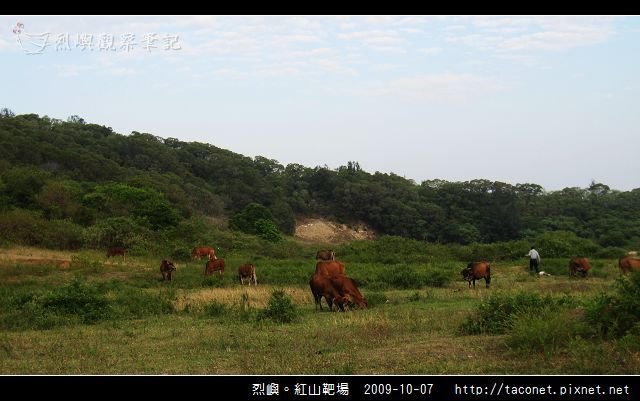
(118, 231)
(267, 229)
(182, 254)
(136, 303)
(438, 278)
(280, 308)
(560, 244)
(402, 277)
(214, 280)
(496, 315)
(610, 253)
(615, 315)
(376, 298)
(80, 300)
(215, 309)
(30, 228)
(544, 330)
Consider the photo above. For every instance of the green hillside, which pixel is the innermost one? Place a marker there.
(72, 184)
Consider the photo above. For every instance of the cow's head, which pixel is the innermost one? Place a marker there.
(168, 265)
(466, 273)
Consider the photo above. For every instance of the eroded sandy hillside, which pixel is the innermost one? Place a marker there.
(320, 230)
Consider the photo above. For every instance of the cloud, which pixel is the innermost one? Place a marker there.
(557, 40)
(530, 34)
(72, 70)
(444, 87)
(380, 40)
(430, 50)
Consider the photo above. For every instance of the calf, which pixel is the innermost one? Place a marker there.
(322, 286)
(116, 250)
(167, 268)
(579, 265)
(346, 286)
(247, 272)
(216, 265)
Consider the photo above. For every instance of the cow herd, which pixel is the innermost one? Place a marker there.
(330, 282)
(577, 266)
(214, 265)
(627, 263)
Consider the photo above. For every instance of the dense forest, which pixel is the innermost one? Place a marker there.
(75, 184)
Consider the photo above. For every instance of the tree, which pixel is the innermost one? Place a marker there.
(75, 119)
(255, 219)
(6, 113)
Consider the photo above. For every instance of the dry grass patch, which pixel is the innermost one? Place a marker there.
(257, 297)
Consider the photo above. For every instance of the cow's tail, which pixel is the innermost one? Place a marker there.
(488, 275)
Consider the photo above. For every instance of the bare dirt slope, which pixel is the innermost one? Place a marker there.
(321, 230)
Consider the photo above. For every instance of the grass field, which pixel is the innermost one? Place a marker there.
(79, 313)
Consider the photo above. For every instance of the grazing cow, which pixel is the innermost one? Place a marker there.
(579, 265)
(475, 271)
(247, 272)
(628, 264)
(330, 268)
(216, 265)
(167, 268)
(326, 255)
(207, 251)
(346, 286)
(322, 286)
(116, 250)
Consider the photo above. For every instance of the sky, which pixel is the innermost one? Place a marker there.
(550, 100)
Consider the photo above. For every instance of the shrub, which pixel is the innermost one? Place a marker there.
(438, 278)
(558, 244)
(80, 300)
(402, 277)
(131, 302)
(30, 228)
(544, 330)
(496, 315)
(267, 229)
(182, 254)
(213, 280)
(376, 298)
(120, 231)
(280, 308)
(215, 309)
(615, 315)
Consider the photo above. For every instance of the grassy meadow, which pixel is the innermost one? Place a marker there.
(79, 313)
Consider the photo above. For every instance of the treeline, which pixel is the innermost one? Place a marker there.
(88, 179)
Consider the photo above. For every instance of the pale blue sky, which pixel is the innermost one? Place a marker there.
(548, 100)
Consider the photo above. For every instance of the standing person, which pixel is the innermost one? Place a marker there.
(534, 260)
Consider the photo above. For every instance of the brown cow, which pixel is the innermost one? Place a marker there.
(116, 250)
(248, 272)
(628, 264)
(579, 265)
(326, 255)
(346, 286)
(330, 268)
(475, 271)
(216, 265)
(207, 251)
(322, 286)
(166, 268)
